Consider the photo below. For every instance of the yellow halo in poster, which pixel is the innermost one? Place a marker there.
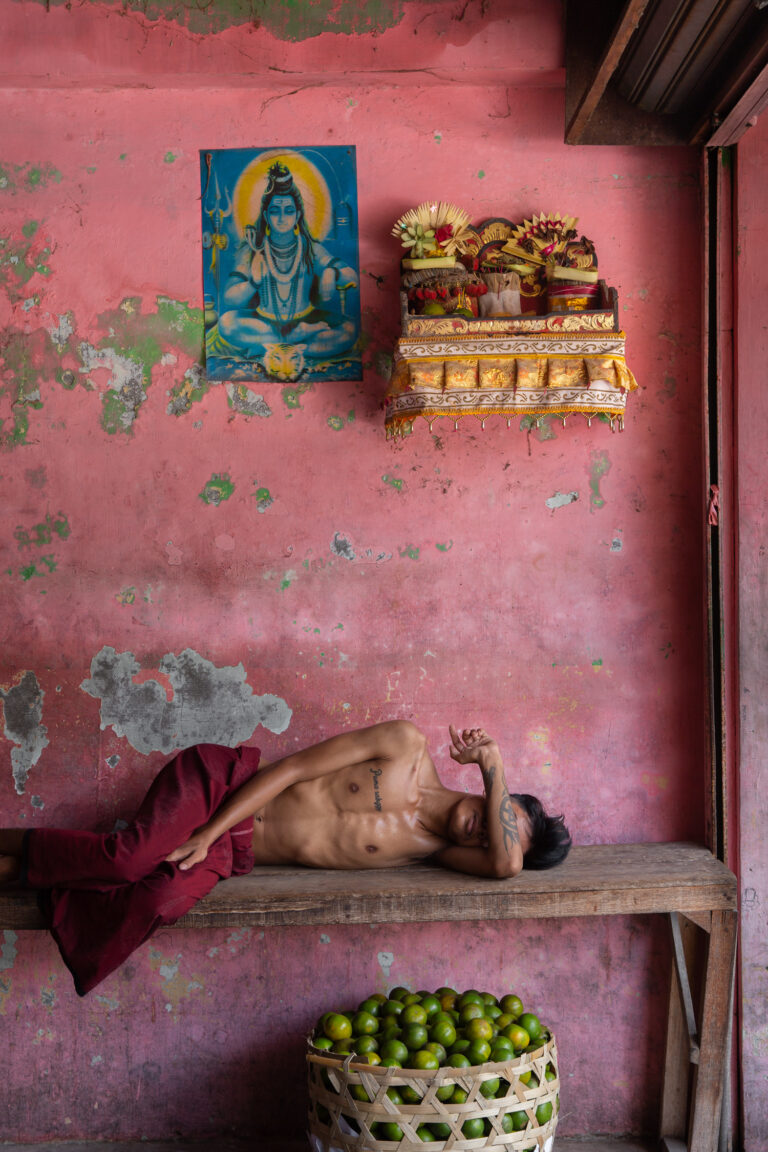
(252, 184)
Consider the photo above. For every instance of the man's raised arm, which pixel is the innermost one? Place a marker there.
(502, 857)
(379, 742)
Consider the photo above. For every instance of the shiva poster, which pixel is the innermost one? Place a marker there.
(280, 264)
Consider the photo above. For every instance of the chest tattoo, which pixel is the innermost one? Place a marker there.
(375, 773)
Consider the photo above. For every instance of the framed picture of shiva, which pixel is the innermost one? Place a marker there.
(280, 264)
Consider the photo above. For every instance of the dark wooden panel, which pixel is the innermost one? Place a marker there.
(599, 880)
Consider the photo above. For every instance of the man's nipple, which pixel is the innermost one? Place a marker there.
(371, 848)
(354, 787)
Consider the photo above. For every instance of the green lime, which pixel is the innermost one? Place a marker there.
(443, 1032)
(372, 1005)
(409, 1094)
(414, 1036)
(519, 1120)
(478, 1052)
(357, 1092)
(430, 1004)
(473, 1128)
(394, 1095)
(438, 1049)
(544, 1112)
(471, 996)
(532, 1025)
(390, 1062)
(411, 998)
(413, 1014)
(337, 1027)
(398, 992)
(390, 1131)
(323, 1042)
(393, 1050)
(344, 1047)
(489, 998)
(364, 1044)
(490, 1087)
(364, 1024)
(470, 1011)
(459, 1045)
(517, 1035)
(391, 1008)
(444, 1092)
(478, 1029)
(501, 1049)
(459, 1060)
(440, 1131)
(424, 1059)
(511, 1004)
(423, 1132)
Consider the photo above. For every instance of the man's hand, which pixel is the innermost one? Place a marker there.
(473, 746)
(194, 851)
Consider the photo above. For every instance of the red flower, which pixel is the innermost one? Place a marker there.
(444, 233)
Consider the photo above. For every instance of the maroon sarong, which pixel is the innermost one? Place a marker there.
(105, 894)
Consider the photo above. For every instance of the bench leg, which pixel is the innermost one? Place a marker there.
(709, 1076)
(681, 1034)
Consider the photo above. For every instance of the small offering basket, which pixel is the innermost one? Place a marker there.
(340, 1122)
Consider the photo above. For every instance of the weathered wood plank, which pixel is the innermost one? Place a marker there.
(704, 1126)
(597, 880)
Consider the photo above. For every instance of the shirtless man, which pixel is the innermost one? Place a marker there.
(373, 799)
(367, 799)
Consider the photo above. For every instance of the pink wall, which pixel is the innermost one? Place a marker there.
(430, 580)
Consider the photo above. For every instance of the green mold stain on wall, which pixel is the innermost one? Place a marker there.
(395, 482)
(288, 20)
(21, 259)
(218, 489)
(22, 364)
(27, 177)
(599, 466)
(410, 551)
(43, 533)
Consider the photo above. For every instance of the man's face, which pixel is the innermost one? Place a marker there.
(282, 214)
(468, 823)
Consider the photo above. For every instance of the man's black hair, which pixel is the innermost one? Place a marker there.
(550, 839)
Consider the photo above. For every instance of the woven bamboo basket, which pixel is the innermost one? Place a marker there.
(339, 1122)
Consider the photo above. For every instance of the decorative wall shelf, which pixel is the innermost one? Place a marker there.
(558, 364)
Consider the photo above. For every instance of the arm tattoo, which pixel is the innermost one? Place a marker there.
(507, 817)
(508, 822)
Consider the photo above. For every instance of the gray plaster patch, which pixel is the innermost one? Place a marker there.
(340, 546)
(246, 401)
(560, 499)
(126, 377)
(62, 332)
(23, 713)
(8, 950)
(209, 705)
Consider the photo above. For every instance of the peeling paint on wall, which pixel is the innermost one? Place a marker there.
(284, 21)
(208, 705)
(599, 466)
(561, 499)
(23, 712)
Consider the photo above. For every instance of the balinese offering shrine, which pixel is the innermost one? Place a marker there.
(503, 319)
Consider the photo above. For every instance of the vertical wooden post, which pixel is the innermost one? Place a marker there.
(704, 1126)
(673, 1122)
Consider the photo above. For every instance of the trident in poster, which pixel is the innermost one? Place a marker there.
(216, 240)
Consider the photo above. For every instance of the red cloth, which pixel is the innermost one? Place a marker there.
(105, 894)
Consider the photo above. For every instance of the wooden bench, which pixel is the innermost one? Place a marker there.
(683, 881)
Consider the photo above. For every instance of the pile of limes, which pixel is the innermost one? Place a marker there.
(431, 1030)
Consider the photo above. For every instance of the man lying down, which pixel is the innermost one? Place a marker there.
(366, 799)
